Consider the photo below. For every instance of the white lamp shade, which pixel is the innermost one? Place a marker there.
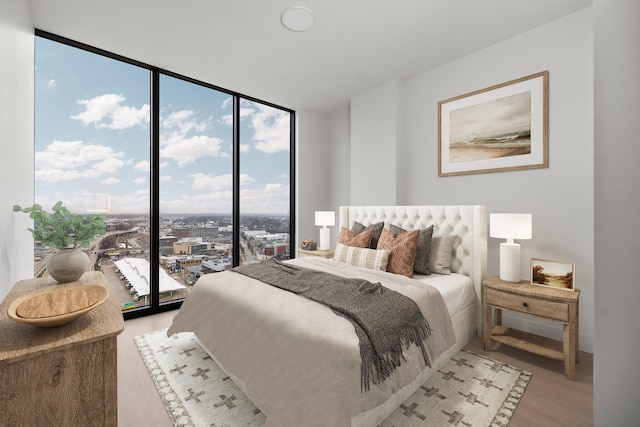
(510, 226)
(325, 218)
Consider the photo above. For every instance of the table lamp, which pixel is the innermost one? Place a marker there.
(510, 227)
(324, 219)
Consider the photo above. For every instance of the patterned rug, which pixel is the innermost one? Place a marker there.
(469, 390)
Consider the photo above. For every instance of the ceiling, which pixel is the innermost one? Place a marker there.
(240, 45)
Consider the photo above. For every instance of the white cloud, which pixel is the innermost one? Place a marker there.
(227, 102)
(140, 180)
(183, 138)
(273, 188)
(105, 166)
(105, 111)
(52, 83)
(183, 121)
(245, 148)
(188, 150)
(68, 160)
(209, 183)
(143, 166)
(272, 132)
(270, 125)
(257, 201)
(165, 178)
(227, 120)
(110, 181)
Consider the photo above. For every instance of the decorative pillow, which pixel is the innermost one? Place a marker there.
(441, 252)
(403, 250)
(421, 263)
(377, 231)
(349, 238)
(362, 257)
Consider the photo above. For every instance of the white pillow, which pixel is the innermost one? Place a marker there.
(361, 257)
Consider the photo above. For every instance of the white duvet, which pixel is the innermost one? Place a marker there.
(296, 360)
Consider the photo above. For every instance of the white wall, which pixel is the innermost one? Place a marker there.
(313, 162)
(323, 165)
(617, 207)
(560, 197)
(340, 171)
(374, 135)
(16, 122)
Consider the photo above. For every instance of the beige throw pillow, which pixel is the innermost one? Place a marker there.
(441, 253)
(361, 257)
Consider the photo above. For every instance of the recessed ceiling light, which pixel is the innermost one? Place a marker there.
(297, 18)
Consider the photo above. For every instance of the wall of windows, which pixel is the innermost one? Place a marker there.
(194, 179)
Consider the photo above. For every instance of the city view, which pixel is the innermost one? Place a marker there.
(190, 246)
(95, 151)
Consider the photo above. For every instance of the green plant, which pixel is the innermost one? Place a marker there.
(62, 228)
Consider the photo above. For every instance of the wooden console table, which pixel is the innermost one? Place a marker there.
(544, 302)
(66, 375)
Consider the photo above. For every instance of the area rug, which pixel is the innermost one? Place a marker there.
(469, 390)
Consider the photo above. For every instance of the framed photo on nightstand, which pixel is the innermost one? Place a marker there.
(555, 274)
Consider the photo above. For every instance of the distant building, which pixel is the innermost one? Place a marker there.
(191, 247)
(273, 250)
(181, 232)
(183, 263)
(206, 232)
(217, 265)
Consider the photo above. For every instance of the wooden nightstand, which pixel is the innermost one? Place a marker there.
(553, 304)
(66, 375)
(322, 254)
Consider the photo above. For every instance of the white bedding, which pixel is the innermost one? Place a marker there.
(282, 364)
(456, 289)
(300, 370)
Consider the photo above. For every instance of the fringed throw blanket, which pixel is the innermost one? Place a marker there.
(384, 320)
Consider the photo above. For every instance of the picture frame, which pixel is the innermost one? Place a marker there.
(554, 274)
(499, 128)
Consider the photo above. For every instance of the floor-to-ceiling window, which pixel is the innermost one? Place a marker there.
(194, 179)
(265, 150)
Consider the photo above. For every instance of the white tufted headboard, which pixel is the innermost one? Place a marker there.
(469, 223)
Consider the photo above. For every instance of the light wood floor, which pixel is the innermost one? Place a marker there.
(550, 399)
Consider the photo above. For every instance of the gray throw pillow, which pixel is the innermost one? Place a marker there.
(423, 251)
(377, 231)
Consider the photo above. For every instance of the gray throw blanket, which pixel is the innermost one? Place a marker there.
(385, 321)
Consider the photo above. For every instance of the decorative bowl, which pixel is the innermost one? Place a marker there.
(57, 307)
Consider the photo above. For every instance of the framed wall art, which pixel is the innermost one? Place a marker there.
(555, 274)
(500, 128)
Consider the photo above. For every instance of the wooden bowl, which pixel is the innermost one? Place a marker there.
(57, 307)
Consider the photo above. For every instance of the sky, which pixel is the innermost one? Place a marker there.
(92, 141)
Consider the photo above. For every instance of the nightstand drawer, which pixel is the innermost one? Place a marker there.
(523, 304)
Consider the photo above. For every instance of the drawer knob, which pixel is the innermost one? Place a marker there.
(524, 304)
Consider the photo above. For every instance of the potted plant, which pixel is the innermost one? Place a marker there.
(67, 232)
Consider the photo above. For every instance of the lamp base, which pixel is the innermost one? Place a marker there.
(325, 239)
(510, 262)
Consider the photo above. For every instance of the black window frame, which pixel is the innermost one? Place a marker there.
(155, 305)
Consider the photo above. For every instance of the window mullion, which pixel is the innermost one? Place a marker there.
(236, 181)
(154, 258)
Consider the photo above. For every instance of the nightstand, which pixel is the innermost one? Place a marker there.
(543, 302)
(322, 254)
(65, 375)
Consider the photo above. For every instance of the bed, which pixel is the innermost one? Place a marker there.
(306, 370)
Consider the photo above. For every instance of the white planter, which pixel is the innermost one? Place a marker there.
(67, 265)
